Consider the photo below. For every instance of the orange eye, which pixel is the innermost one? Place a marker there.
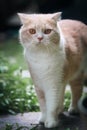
(32, 31)
(47, 31)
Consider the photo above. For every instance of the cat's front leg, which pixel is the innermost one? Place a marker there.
(54, 104)
(76, 93)
(42, 102)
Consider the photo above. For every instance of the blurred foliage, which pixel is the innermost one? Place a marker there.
(16, 93)
(12, 50)
(67, 100)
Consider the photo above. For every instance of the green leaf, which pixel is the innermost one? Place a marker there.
(11, 112)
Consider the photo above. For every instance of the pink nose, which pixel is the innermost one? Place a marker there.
(40, 38)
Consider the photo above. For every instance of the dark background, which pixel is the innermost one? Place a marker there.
(72, 9)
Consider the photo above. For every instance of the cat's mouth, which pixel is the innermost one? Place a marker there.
(39, 43)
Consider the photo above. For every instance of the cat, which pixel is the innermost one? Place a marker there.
(56, 51)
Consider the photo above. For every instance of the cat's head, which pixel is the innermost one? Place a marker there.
(39, 29)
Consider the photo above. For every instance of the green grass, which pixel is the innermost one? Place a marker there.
(13, 51)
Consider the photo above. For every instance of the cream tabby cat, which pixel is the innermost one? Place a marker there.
(56, 52)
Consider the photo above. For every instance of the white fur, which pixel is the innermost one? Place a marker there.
(46, 61)
(47, 74)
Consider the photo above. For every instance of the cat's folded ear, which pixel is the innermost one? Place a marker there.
(57, 16)
(23, 17)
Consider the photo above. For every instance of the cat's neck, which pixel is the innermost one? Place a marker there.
(46, 52)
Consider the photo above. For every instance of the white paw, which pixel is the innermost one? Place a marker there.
(51, 123)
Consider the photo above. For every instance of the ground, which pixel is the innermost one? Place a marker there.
(30, 120)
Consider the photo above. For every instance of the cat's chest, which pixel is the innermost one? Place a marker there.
(44, 64)
(41, 61)
(46, 69)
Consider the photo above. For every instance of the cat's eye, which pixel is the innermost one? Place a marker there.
(47, 31)
(32, 31)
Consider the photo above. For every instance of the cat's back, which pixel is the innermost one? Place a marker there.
(73, 28)
(75, 34)
(72, 25)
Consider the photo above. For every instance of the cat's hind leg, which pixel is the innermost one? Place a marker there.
(42, 102)
(76, 93)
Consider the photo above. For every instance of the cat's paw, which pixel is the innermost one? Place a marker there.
(73, 111)
(51, 123)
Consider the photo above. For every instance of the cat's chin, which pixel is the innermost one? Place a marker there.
(40, 44)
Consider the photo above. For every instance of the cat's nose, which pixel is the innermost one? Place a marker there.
(40, 38)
